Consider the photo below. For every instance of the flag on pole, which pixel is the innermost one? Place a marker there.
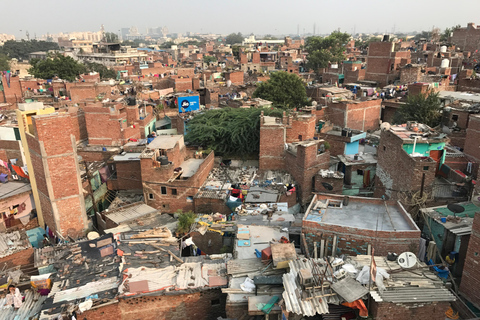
(373, 267)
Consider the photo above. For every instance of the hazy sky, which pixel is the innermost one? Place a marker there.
(246, 16)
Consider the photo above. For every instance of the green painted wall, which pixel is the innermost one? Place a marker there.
(425, 148)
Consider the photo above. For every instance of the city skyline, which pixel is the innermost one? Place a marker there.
(251, 17)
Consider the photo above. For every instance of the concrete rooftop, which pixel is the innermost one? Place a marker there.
(362, 215)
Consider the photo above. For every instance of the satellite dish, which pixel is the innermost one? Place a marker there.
(455, 208)
(385, 126)
(407, 260)
(327, 186)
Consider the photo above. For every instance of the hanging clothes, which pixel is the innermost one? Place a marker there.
(20, 172)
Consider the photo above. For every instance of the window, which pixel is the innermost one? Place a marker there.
(384, 148)
(164, 190)
(454, 117)
(165, 206)
(215, 302)
(150, 196)
(174, 192)
(425, 168)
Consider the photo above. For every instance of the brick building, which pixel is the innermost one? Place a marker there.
(468, 38)
(114, 124)
(236, 77)
(471, 274)
(355, 114)
(353, 225)
(406, 158)
(171, 175)
(383, 62)
(297, 152)
(52, 148)
(125, 172)
(471, 149)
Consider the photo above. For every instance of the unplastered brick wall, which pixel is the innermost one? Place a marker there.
(471, 270)
(417, 311)
(204, 305)
(175, 195)
(21, 258)
(54, 161)
(11, 150)
(394, 164)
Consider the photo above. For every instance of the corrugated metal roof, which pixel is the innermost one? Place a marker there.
(32, 304)
(13, 242)
(12, 188)
(130, 212)
(292, 294)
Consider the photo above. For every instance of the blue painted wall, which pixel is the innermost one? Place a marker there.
(351, 147)
(425, 148)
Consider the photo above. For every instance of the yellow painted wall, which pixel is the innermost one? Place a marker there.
(25, 125)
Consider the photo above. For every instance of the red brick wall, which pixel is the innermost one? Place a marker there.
(197, 305)
(206, 205)
(79, 91)
(467, 39)
(21, 258)
(210, 243)
(13, 93)
(355, 241)
(129, 175)
(186, 72)
(11, 150)
(154, 178)
(471, 273)
(54, 162)
(303, 166)
(300, 126)
(473, 136)
(235, 76)
(394, 164)
(272, 147)
(359, 115)
(466, 84)
(424, 311)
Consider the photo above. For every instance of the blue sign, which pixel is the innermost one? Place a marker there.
(187, 104)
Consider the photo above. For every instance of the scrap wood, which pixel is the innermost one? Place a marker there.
(170, 252)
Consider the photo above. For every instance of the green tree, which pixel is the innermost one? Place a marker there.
(322, 51)
(234, 38)
(269, 37)
(21, 49)
(285, 90)
(111, 37)
(4, 63)
(167, 44)
(236, 51)
(56, 65)
(423, 35)
(185, 221)
(209, 59)
(105, 73)
(448, 32)
(227, 131)
(424, 108)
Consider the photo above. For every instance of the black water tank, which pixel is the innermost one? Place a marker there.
(386, 38)
(344, 132)
(163, 160)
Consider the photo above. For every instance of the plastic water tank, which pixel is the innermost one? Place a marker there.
(229, 83)
(445, 63)
(443, 49)
(163, 160)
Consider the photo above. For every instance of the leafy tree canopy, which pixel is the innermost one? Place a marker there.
(4, 63)
(21, 49)
(234, 38)
(322, 50)
(209, 59)
(56, 65)
(236, 51)
(448, 32)
(105, 73)
(167, 44)
(285, 90)
(111, 37)
(424, 108)
(228, 131)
